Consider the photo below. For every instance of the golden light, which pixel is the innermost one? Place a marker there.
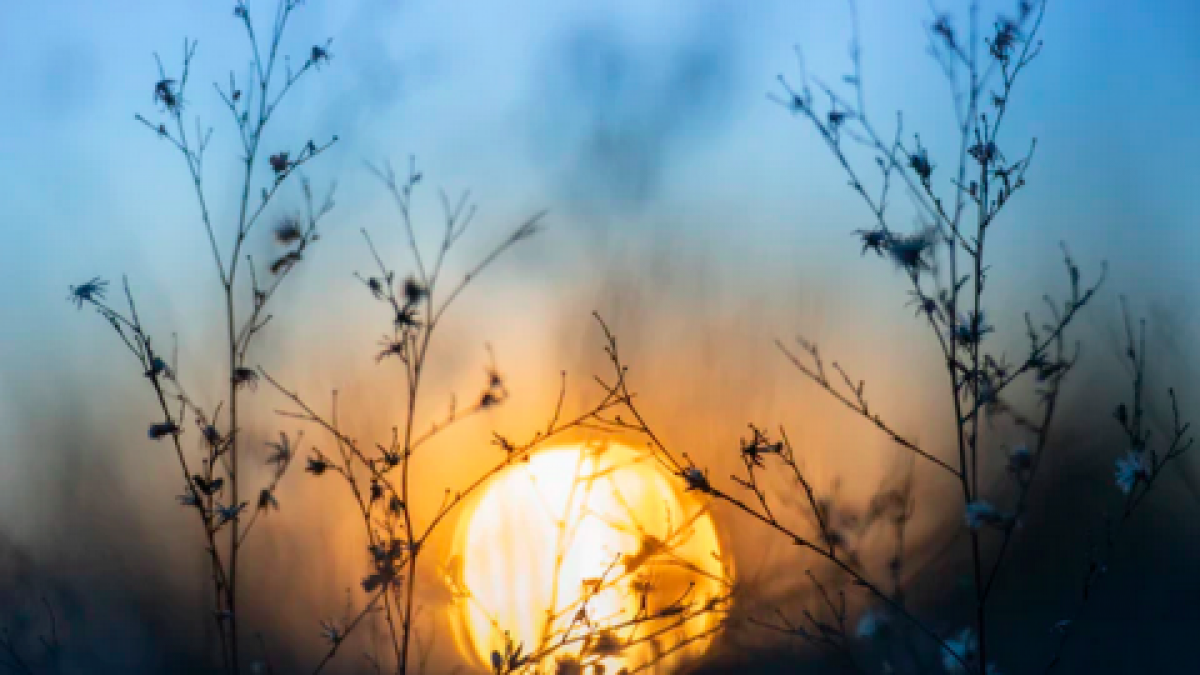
(592, 559)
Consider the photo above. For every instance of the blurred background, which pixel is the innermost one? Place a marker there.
(699, 218)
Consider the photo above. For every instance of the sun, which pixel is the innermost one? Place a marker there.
(591, 560)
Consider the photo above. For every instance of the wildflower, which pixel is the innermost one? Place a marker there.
(283, 451)
(280, 164)
(959, 650)
(211, 435)
(1131, 469)
(164, 90)
(331, 631)
(971, 328)
(1020, 459)
(870, 623)
(1062, 626)
(873, 240)
(189, 498)
(288, 230)
(396, 505)
(392, 347)
(836, 118)
(984, 153)
(91, 291)
(925, 304)
(909, 252)
(317, 465)
(919, 162)
(759, 445)
(1002, 44)
(376, 286)
(266, 500)
(406, 317)
(376, 490)
(245, 377)
(240, 11)
(488, 399)
(158, 367)
(225, 514)
(696, 479)
(980, 513)
(208, 487)
(164, 429)
(497, 662)
(318, 54)
(414, 292)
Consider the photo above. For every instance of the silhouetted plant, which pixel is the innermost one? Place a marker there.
(379, 477)
(213, 484)
(944, 264)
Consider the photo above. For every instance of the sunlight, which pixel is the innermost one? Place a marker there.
(591, 548)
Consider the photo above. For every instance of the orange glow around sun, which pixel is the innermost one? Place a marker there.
(591, 559)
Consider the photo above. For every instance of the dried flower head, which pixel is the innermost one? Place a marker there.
(873, 240)
(318, 54)
(696, 479)
(317, 465)
(266, 500)
(282, 451)
(158, 367)
(164, 91)
(919, 163)
(245, 377)
(280, 164)
(979, 513)
(911, 252)
(224, 514)
(207, 487)
(288, 230)
(90, 291)
(1132, 468)
(163, 429)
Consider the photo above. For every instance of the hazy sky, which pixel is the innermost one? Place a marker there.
(622, 116)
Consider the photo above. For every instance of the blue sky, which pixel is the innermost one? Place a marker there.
(497, 97)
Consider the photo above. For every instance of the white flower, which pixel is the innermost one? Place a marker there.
(870, 623)
(959, 650)
(980, 513)
(1130, 469)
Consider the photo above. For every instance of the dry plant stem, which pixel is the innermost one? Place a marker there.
(1138, 438)
(262, 100)
(417, 316)
(995, 183)
(641, 426)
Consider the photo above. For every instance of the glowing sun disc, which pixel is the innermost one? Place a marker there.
(600, 528)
